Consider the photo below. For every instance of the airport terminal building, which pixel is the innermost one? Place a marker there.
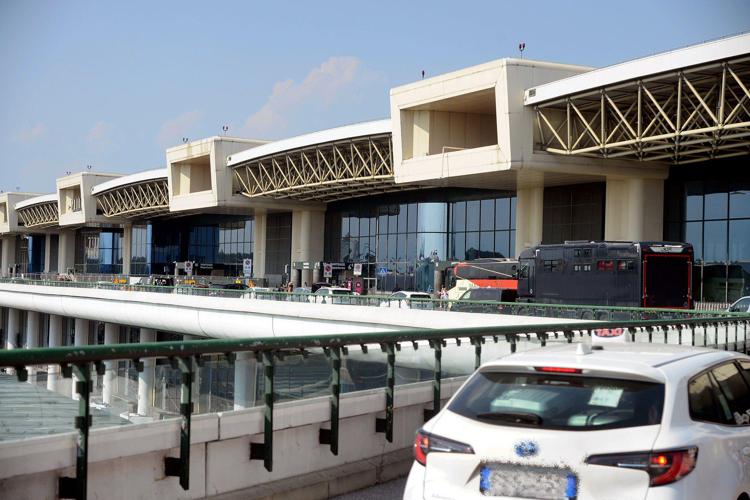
(481, 162)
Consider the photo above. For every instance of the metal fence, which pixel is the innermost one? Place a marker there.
(566, 311)
(727, 332)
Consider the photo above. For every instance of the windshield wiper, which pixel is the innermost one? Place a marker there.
(512, 417)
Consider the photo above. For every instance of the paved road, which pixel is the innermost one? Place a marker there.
(385, 491)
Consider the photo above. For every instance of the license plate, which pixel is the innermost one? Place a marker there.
(511, 480)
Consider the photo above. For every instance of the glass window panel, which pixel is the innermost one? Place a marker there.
(391, 256)
(472, 215)
(694, 236)
(412, 218)
(411, 246)
(382, 254)
(716, 205)
(502, 243)
(371, 248)
(353, 226)
(401, 243)
(402, 212)
(694, 201)
(429, 244)
(513, 204)
(487, 243)
(344, 226)
(458, 246)
(715, 241)
(512, 248)
(739, 240)
(488, 215)
(364, 226)
(393, 219)
(739, 202)
(472, 246)
(458, 216)
(502, 213)
(432, 217)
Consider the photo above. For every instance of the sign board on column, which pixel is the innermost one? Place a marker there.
(327, 270)
(247, 267)
(358, 269)
(189, 267)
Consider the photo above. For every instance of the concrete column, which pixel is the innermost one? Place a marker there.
(307, 240)
(146, 377)
(32, 339)
(48, 253)
(8, 253)
(11, 336)
(127, 238)
(259, 244)
(245, 369)
(634, 210)
(111, 333)
(529, 215)
(66, 250)
(81, 337)
(55, 340)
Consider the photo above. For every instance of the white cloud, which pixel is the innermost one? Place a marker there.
(31, 134)
(173, 130)
(99, 138)
(323, 85)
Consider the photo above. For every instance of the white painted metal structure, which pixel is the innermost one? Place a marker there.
(39, 212)
(137, 195)
(682, 106)
(344, 162)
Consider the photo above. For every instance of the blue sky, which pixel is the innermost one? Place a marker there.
(113, 84)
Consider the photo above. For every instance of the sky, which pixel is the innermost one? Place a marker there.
(112, 85)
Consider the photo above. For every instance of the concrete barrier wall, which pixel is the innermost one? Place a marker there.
(127, 462)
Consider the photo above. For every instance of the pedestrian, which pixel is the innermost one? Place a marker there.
(443, 297)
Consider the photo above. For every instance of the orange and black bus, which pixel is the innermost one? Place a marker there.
(481, 273)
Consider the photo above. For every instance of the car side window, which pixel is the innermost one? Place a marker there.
(702, 400)
(398, 295)
(466, 295)
(733, 393)
(740, 306)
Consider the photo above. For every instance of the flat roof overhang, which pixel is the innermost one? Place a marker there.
(684, 106)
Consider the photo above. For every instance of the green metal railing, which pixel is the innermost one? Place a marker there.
(186, 355)
(584, 312)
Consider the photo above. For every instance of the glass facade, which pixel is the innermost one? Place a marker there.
(399, 238)
(217, 244)
(278, 245)
(708, 205)
(574, 212)
(98, 251)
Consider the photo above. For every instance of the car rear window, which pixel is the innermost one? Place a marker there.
(342, 292)
(485, 294)
(555, 401)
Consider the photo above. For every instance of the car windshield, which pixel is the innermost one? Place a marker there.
(555, 401)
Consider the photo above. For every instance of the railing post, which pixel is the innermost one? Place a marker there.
(331, 436)
(477, 342)
(512, 337)
(76, 487)
(437, 346)
(181, 466)
(692, 334)
(386, 424)
(264, 451)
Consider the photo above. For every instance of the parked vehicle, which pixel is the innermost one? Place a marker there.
(471, 300)
(627, 274)
(612, 421)
(481, 273)
(740, 305)
(331, 295)
(408, 300)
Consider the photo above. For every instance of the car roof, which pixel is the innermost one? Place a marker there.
(638, 360)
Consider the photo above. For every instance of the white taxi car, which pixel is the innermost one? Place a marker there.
(611, 421)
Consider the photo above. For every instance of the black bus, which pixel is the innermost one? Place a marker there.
(627, 274)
